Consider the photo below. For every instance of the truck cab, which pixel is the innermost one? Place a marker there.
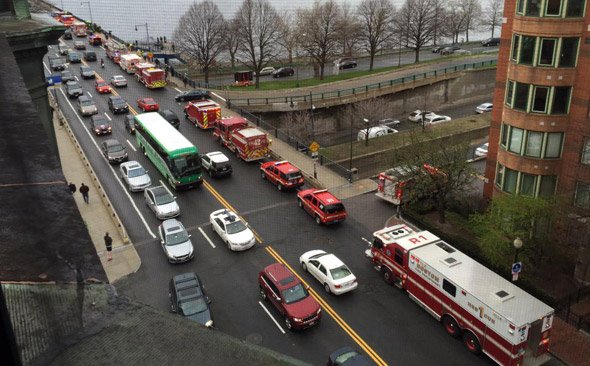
(225, 126)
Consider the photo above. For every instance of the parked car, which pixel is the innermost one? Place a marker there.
(90, 56)
(101, 125)
(482, 151)
(196, 94)
(434, 119)
(67, 34)
(73, 57)
(232, 230)
(102, 87)
(148, 105)
(57, 64)
(437, 49)
(171, 117)
(118, 80)
(73, 89)
(282, 72)
(322, 205)
(330, 271)
(63, 49)
(135, 176)
(449, 50)
(188, 298)
(86, 106)
(345, 63)
(289, 295)
(114, 151)
(391, 122)
(267, 70)
(375, 131)
(216, 164)
(282, 174)
(175, 241)
(129, 122)
(416, 116)
(161, 202)
(79, 45)
(462, 52)
(66, 76)
(347, 356)
(87, 73)
(117, 104)
(483, 108)
(490, 42)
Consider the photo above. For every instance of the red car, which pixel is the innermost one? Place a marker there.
(289, 295)
(322, 205)
(282, 173)
(148, 105)
(102, 86)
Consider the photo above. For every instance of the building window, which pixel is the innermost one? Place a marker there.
(561, 97)
(534, 144)
(509, 92)
(527, 50)
(582, 195)
(546, 55)
(515, 46)
(528, 183)
(515, 182)
(515, 140)
(504, 135)
(533, 8)
(554, 142)
(575, 8)
(586, 152)
(547, 186)
(569, 52)
(540, 97)
(520, 7)
(510, 180)
(500, 175)
(521, 96)
(553, 7)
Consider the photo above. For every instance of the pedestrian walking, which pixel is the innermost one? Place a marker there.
(108, 242)
(184, 79)
(84, 190)
(72, 187)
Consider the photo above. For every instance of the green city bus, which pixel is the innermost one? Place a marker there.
(175, 157)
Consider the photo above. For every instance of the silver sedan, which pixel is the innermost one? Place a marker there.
(135, 176)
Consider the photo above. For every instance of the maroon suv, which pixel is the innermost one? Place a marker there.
(289, 296)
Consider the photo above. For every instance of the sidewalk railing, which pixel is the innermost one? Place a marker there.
(363, 89)
(567, 314)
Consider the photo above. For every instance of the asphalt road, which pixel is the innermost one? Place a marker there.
(398, 330)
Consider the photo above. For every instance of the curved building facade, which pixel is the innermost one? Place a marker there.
(540, 131)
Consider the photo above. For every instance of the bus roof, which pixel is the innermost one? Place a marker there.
(172, 141)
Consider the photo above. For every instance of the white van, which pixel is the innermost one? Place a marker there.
(376, 131)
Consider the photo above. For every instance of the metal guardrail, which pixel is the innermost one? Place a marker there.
(362, 89)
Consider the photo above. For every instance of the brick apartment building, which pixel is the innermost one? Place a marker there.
(540, 131)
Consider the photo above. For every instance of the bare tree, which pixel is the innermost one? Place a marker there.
(289, 35)
(199, 34)
(492, 17)
(439, 21)
(471, 11)
(299, 126)
(319, 32)
(349, 29)
(416, 22)
(365, 114)
(454, 21)
(258, 34)
(376, 17)
(231, 41)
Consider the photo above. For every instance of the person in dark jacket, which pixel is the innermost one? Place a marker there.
(72, 187)
(108, 242)
(84, 191)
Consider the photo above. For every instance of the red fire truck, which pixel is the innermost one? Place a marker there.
(395, 184)
(128, 62)
(489, 313)
(204, 113)
(248, 143)
(153, 78)
(67, 20)
(79, 29)
(114, 50)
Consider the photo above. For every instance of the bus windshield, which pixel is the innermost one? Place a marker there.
(186, 165)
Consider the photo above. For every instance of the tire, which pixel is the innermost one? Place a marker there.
(318, 220)
(210, 173)
(451, 326)
(262, 293)
(280, 187)
(229, 246)
(470, 341)
(300, 203)
(327, 288)
(304, 266)
(388, 276)
(262, 175)
(288, 323)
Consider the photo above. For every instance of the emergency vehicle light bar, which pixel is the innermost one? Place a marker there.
(280, 162)
(320, 191)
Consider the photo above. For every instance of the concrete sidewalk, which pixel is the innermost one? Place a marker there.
(95, 214)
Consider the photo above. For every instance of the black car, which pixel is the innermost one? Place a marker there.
(346, 63)
(57, 63)
(196, 94)
(67, 34)
(101, 125)
(129, 123)
(114, 151)
(188, 298)
(118, 104)
(73, 89)
(283, 71)
(73, 57)
(347, 356)
(90, 56)
(66, 76)
(491, 42)
(171, 117)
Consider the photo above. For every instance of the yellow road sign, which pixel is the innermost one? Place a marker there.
(314, 147)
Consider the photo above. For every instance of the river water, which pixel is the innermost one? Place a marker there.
(121, 16)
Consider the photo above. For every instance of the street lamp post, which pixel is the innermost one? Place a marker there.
(89, 10)
(516, 268)
(147, 32)
(311, 108)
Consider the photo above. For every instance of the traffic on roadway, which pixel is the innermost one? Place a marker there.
(243, 232)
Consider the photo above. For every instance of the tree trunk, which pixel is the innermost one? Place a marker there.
(371, 61)
(493, 29)
(417, 55)
(257, 83)
(467, 35)
(290, 56)
(322, 72)
(441, 209)
(206, 72)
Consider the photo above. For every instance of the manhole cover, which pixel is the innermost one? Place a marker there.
(254, 338)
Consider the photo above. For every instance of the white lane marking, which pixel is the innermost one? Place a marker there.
(90, 95)
(107, 116)
(75, 77)
(206, 237)
(110, 167)
(165, 187)
(273, 319)
(46, 68)
(57, 54)
(130, 144)
(178, 90)
(218, 96)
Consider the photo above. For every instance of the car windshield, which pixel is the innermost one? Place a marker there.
(186, 165)
(86, 103)
(340, 360)
(86, 69)
(99, 121)
(118, 102)
(340, 272)
(193, 306)
(118, 78)
(334, 208)
(163, 198)
(137, 172)
(293, 176)
(176, 238)
(116, 148)
(294, 294)
(235, 227)
(101, 83)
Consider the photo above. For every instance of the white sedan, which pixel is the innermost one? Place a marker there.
(483, 108)
(434, 119)
(135, 176)
(416, 116)
(232, 230)
(334, 275)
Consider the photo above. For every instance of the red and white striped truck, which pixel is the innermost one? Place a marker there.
(248, 143)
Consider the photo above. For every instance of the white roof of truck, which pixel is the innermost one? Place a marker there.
(251, 132)
(130, 56)
(503, 297)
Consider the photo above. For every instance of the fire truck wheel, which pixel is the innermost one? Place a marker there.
(451, 326)
(300, 203)
(387, 276)
(280, 187)
(318, 220)
(470, 341)
(262, 175)
(327, 288)
(304, 266)
(262, 293)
